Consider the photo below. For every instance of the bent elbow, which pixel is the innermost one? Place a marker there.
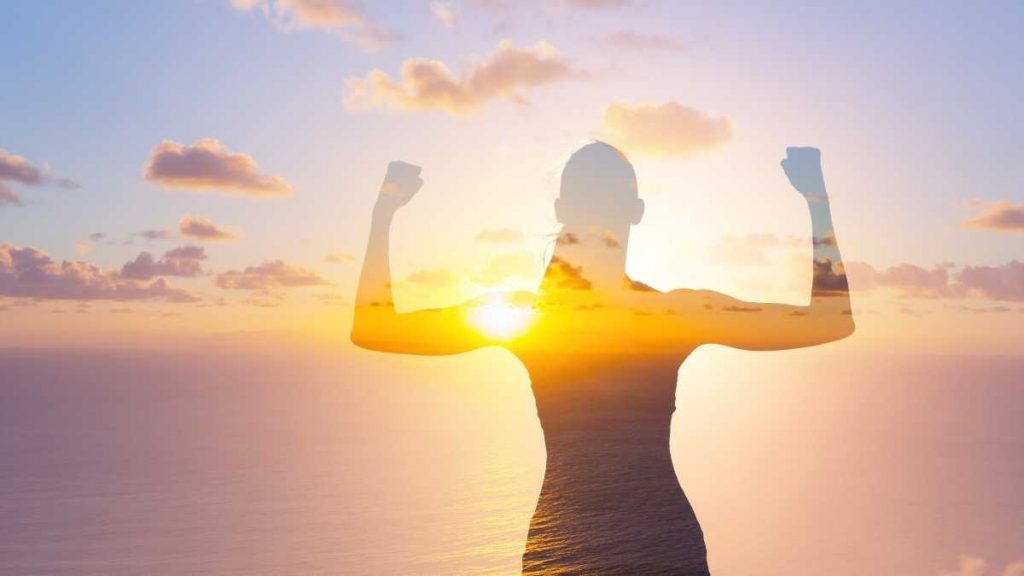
(845, 328)
(361, 339)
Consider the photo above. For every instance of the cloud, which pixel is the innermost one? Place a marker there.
(437, 278)
(499, 236)
(1014, 569)
(828, 240)
(987, 309)
(156, 234)
(8, 196)
(829, 279)
(908, 280)
(444, 14)
(975, 566)
(637, 286)
(334, 299)
(344, 15)
(265, 300)
(185, 261)
(607, 237)
(1004, 282)
(999, 283)
(567, 239)
(969, 566)
(339, 258)
(30, 273)
(17, 169)
(629, 40)
(998, 217)
(741, 309)
(207, 166)
(429, 85)
(270, 275)
(561, 274)
(199, 228)
(668, 129)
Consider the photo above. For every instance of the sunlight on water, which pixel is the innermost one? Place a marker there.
(166, 464)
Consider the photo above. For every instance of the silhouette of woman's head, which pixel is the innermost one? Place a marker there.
(599, 189)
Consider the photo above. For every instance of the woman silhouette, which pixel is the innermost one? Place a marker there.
(603, 352)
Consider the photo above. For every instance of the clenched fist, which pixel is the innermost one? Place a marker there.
(803, 168)
(401, 183)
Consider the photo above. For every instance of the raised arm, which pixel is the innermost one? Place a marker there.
(803, 167)
(376, 325)
(827, 317)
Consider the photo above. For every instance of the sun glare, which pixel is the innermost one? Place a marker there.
(501, 320)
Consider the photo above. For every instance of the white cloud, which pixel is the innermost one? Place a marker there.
(430, 85)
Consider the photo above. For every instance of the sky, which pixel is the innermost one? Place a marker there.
(296, 112)
(195, 174)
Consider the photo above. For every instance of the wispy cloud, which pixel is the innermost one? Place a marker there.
(429, 85)
(8, 196)
(271, 275)
(204, 230)
(154, 234)
(1000, 283)
(207, 166)
(339, 258)
(17, 169)
(444, 13)
(997, 217)
(668, 129)
(346, 17)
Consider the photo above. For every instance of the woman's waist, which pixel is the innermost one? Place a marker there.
(612, 413)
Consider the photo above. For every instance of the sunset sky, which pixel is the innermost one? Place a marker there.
(255, 135)
(196, 175)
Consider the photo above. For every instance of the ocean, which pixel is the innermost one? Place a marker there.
(294, 462)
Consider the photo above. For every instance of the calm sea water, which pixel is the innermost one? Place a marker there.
(350, 463)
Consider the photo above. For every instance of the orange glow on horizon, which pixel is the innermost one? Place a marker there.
(500, 319)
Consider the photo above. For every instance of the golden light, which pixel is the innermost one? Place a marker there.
(500, 319)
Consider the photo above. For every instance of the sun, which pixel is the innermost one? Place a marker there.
(501, 320)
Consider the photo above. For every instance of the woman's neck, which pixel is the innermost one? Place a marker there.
(599, 254)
